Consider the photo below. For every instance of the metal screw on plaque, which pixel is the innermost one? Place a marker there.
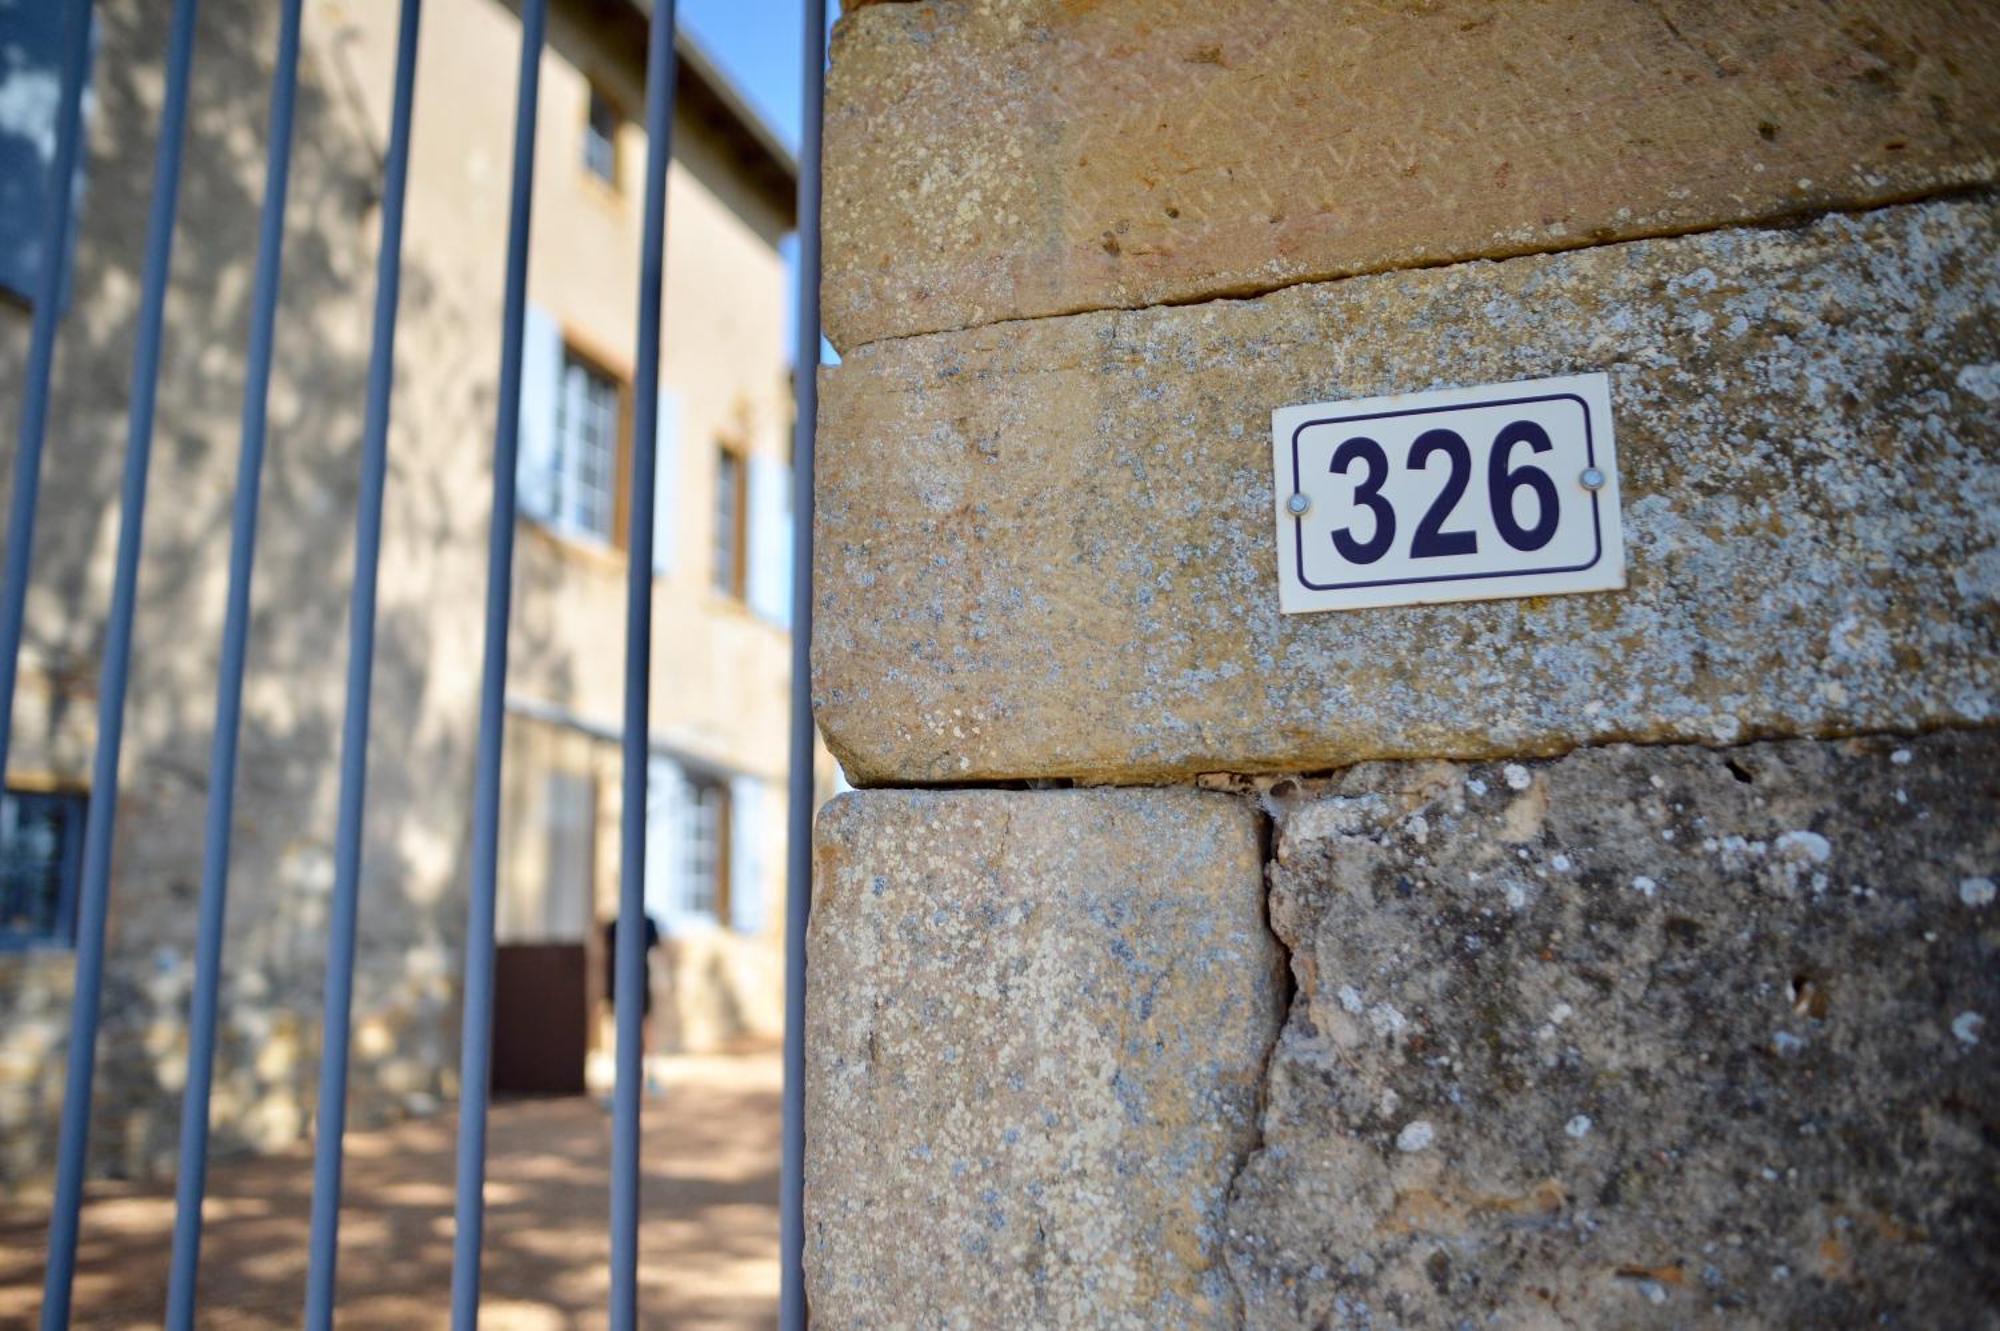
(1297, 505)
(1592, 478)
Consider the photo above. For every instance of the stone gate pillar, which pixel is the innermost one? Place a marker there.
(1585, 960)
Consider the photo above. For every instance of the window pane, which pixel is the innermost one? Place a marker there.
(600, 139)
(40, 836)
(568, 896)
(30, 94)
(586, 450)
(728, 523)
(707, 861)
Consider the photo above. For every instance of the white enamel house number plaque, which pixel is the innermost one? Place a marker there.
(1459, 494)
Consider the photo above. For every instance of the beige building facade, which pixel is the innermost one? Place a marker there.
(720, 582)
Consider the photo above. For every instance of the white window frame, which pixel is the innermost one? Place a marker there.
(583, 499)
(603, 144)
(705, 849)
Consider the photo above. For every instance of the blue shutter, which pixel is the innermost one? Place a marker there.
(541, 388)
(771, 538)
(666, 479)
(746, 854)
(666, 894)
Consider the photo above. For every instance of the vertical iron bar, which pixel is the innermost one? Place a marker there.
(192, 1182)
(799, 795)
(114, 672)
(629, 975)
(41, 358)
(338, 1008)
(476, 1034)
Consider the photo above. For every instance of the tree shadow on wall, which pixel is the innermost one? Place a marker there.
(417, 829)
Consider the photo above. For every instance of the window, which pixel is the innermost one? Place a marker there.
(731, 496)
(31, 42)
(41, 860)
(707, 848)
(600, 138)
(571, 822)
(587, 417)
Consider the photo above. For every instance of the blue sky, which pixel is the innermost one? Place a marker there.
(757, 43)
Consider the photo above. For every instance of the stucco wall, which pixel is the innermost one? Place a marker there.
(420, 742)
(720, 693)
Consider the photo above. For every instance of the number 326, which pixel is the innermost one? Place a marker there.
(1431, 540)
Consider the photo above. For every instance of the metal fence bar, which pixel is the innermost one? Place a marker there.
(629, 975)
(476, 1051)
(800, 783)
(115, 672)
(338, 1007)
(41, 360)
(193, 1177)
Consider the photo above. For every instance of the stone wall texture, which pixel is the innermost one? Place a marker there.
(1001, 159)
(1643, 945)
(1045, 549)
(1640, 1037)
(1038, 1026)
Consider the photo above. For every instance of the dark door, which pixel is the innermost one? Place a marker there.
(541, 1018)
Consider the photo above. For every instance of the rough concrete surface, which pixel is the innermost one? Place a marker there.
(1045, 548)
(1638, 1037)
(997, 159)
(1036, 1028)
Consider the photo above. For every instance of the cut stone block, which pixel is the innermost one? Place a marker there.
(1046, 549)
(1640, 1038)
(1037, 1024)
(1017, 158)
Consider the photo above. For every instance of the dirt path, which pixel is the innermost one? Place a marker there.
(708, 1244)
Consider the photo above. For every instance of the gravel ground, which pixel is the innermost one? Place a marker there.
(708, 1246)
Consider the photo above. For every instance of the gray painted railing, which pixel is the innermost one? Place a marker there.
(476, 1037)
(324, 1244)
(478, 975)
(799, 799)
(94, 893)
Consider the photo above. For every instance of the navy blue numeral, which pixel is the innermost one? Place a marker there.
(1501, 483)
(1368, 493)
(1431, 540)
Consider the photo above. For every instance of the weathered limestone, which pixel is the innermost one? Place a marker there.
(1038, 1023)
(998, 159)
(1045, 548)
(1629, 1036)
(1640, 1037)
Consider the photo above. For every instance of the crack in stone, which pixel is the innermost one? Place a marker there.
(1267, 842)
(1972, 186)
